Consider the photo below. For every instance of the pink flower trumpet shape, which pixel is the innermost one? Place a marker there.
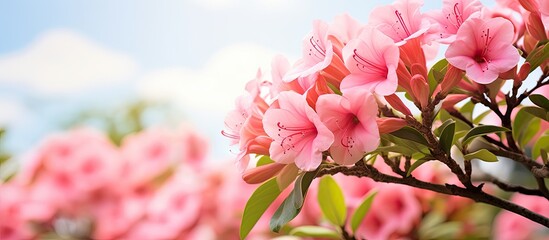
(352, 119)
(372, 60)
(484, 49)
(299, 135)
(401, 20)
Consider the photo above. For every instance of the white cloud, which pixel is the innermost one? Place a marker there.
(12, 112)
(216, 85)
(62, 61)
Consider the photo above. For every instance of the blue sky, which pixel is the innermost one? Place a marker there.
(70, 55)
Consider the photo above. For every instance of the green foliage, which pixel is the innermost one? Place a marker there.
(436, 74)
(525, 127)
(481, 131)
(362, 210)
(411, 134)
(315, 232)
(538, 56)
(292, 205)
(264, 160)
(467, 110)
(542, 144)
(540, 100)
(481, 154)
(447, 137)
(258, 203)
(537, 112)
(331, 201)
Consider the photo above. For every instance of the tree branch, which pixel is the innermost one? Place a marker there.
(476, 194)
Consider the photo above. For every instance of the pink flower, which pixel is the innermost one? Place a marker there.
(510, 226)
(401, 21)
(483, 49)
(342, 31)
(372, 60)
(72, 165)
(174, 208)
(299, 135)
(452, 15)
(148, 154)
(317, 53)
(394, 212)
(280, 67)
(352, 119)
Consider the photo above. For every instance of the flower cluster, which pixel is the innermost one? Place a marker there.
(157, 184)
(351, 96)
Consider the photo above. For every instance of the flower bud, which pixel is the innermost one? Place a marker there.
(523, 72)
(403, 76)
(397, 104)
(452, 78)
(420, 90)
(388, 125)
(535, 27)
(530, 5)
(262, 173)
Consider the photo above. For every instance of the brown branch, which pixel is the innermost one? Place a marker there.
(513, 188)
(476, 194)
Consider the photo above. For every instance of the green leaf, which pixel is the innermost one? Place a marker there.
(481, 116)
(258, 203)
(411, 134)
(436, 74)
(525, 127)
(447, 137)
(362, 210)
(537, 112)
(264, 160)
(292, 205)
(315, 232)
(540, 100)
(538, 56)
(481, 154)
(418, 163)
(331, 201)
(481, 131)
(396, 149)
(438, 131)
(544, 156)
(541, 144)
(467, 110)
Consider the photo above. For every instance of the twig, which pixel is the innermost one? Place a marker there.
(476, 194)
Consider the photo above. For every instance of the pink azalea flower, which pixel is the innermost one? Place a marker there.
(352, 119)
(280, 67)
(510, 226)
(395, 211)
(483, 49)
(148, 154)
(401, 20)
(317, 53)
(373, 60)
(172, 210)
(452, 15)
(299, 135)
(344, 29)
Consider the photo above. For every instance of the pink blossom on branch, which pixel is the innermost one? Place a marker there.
(484, 49)
(352, 119)
(401, 20)
(372, 59)
(299, 135)
(452, 15)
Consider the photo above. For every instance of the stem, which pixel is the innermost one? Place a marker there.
(512, 188)
(476, 194)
